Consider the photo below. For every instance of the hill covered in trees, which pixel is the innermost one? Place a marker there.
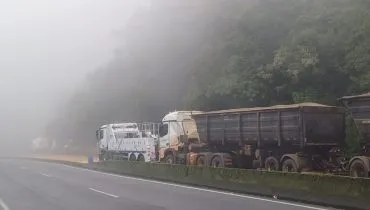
(217, 54)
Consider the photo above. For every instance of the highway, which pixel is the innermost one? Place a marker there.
(31, 185)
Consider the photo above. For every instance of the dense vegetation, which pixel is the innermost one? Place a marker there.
(218, 54)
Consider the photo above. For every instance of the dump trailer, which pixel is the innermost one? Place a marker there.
(292, 138)
(358, 107)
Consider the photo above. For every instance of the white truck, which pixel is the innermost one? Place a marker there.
(127, 141)
(177, 132)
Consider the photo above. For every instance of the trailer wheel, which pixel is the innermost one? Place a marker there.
(169, 159)
(289, 165)
(271, 164)
(217, 162)
(141, 158)
(201, 160)
(358, 169)
(132, 157)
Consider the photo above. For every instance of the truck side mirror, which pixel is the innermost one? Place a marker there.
(97, 135)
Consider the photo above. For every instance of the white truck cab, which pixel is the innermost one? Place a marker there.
(177, 128)
(126, 141)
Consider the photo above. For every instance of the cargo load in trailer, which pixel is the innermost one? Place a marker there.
(127, 141)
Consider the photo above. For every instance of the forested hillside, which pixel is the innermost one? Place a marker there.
(289, 51)
(216, 54)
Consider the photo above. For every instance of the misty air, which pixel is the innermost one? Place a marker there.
(185, 104)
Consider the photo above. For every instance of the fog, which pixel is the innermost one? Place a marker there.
(67, 67)
(47, 48)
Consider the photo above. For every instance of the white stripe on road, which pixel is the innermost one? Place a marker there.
(47, 175)
(202, 189)
(23, 168)
(98, 191)
(3, 205)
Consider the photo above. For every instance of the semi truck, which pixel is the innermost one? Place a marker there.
(287, 137)
(127, 141)
(293, 138)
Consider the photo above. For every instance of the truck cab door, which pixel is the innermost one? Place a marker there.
(102, 138)
(164, 138)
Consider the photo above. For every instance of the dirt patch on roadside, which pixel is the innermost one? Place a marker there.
(71, 158)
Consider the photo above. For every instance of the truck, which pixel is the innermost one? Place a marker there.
(358, 109)
(177, 132)
(283, 137)
(127, 141)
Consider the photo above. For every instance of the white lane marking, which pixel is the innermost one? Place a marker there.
(47, 175)
(98, 191)
(23, 168)
(202, 189)
(3, 205)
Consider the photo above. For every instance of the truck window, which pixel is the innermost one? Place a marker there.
(163, 130)
(101, 134)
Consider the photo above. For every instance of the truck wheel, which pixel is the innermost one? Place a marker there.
(141, 158)
(101, 157)
(289, 166)
(132, 157)
(217, 162)
(358, 169)
(271, 164)
(201, 161)
(106, 156)
(169, 159)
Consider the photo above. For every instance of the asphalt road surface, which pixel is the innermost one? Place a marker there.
(31, 185)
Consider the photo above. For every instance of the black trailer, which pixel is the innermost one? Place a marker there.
(287, 137)
(358, 107)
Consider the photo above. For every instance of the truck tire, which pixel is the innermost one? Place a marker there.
(201, 160)
(101, 157)
(132, 157)
(141, 158)
(169, 158)
(217, 162)
(358, 169)
(272, 164)
(107, 156)
(289, 165)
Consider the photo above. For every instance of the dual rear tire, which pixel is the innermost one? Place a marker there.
(139, 158)
(217, 161)
(273, 164)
